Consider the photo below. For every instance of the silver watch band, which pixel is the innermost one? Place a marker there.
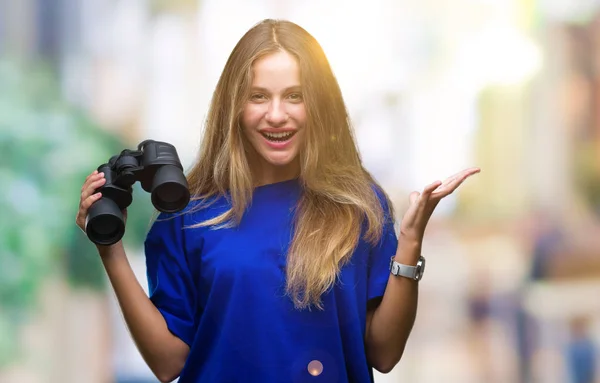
(411, 272)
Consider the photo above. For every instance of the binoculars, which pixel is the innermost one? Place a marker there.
(157, 167)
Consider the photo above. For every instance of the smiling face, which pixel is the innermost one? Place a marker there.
(273, 119)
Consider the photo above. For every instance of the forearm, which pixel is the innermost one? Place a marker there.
(393, 319)
(164, 353)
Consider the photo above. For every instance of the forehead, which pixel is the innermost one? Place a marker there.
(276, 70)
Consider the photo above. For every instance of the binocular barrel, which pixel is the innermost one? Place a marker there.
(156, 165)
(105, 224)
(169, 192)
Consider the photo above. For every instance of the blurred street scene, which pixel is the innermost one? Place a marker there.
(512, 288)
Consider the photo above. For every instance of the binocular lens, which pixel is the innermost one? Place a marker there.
(170, 194)
(170, 189)
(105, 224)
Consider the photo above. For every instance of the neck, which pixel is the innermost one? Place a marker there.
(264, 173)
(274, 175)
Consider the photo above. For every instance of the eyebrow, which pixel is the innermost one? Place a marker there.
(265, 90)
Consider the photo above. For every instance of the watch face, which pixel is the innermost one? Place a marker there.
(420, 270)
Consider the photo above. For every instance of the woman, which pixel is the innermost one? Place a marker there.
(279, 268)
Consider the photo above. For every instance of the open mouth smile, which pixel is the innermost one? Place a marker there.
(278, 137)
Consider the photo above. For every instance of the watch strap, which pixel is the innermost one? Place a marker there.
(407, 271)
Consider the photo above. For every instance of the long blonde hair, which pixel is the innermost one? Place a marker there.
(338, 196)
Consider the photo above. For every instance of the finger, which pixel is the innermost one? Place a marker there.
(413, 197)
(462, 174)
(86, 185)
(444, 191)
(84, 207)
(91, 174)
(467, 172)
(91, 188)
(449, 188)
(451, 179)
(91, 178)
(94, 175)
(430, 188)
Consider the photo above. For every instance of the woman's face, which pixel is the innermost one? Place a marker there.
(274, 117)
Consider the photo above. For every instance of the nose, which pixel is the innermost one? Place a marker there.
(276, 114)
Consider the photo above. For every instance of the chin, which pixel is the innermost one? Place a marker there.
(280, 160)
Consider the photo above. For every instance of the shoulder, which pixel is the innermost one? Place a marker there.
(175, 235)
(383, 198)
(379, 192)
(196, 211)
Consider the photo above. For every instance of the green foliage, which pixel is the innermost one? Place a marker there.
(47, 148)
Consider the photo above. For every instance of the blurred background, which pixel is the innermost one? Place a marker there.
(512, 289)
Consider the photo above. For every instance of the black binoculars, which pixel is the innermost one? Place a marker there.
(156, 165)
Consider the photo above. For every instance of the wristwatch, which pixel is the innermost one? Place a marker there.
(411, 272)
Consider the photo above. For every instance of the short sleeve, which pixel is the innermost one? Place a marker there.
(381, 253)
(170, 283)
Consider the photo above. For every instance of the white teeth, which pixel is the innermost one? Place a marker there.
(278, 135)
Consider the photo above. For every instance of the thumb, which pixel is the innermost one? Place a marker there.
(413, 197)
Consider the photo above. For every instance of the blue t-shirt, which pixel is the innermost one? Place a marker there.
(221, 291)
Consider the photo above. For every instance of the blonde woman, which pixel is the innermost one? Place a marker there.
(285, 266)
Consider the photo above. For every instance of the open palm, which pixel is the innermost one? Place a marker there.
(423, 204)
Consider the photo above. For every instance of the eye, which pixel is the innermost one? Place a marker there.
(257, 97)
(296, 97)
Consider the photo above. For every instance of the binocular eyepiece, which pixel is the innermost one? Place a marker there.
(157, 167)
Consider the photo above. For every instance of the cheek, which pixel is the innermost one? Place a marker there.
(301, 142)
(251, 118)
(300, 115)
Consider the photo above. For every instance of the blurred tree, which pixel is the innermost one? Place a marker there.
(47, 148)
